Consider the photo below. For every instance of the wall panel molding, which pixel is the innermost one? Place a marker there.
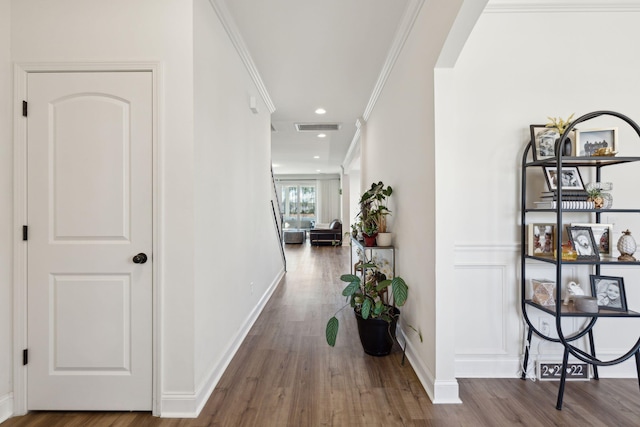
(551, 6)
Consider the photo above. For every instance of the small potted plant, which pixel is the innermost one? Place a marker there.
(560, 125)
(373, 212)
(375, 309)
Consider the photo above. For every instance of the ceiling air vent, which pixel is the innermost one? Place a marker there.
(317, 127)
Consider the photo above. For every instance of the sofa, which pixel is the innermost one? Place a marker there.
(330, 235)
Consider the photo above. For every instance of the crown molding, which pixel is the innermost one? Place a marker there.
(231, 28)
(404, 28)
(551, 6)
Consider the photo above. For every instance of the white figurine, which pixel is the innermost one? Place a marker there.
(573, 289)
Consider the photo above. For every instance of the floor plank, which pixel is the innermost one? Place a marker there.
(284, 374)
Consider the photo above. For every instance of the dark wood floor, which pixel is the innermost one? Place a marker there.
(285, 375)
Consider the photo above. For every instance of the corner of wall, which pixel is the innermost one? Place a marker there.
(6, 407)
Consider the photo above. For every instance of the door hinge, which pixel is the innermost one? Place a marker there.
(25, 356)
(25, 232)
(24, 108)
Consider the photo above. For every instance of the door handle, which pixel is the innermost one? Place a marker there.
(141, 258)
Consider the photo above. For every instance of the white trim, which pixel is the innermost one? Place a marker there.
(355, 145)
(487, 247)
(489, 367)
(406, 24)
(21, 71)
(232, 30)
(439, 392)
(551, 6)
(6, 407)
(189, 405)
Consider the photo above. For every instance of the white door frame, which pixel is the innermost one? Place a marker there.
(21, 71)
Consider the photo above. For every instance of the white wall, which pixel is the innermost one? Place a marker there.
(404, 114)
(237, 259)
(210, 159)
(516, 69)
(6, 214)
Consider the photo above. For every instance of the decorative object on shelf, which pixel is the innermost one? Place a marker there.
(373, 212)
(602, 234)
(597, 194)
(627, 246)
(544, 141)
(609, 291)
(561, 126)
(384, 239)
(568, 253)
(541, 238)
(586, 304)
(570, 178)
(377, 311)
(604, 152)
(583, 243)
(543, 292)
(591, 141)
(573, 290)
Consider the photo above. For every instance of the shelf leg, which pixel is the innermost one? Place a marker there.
(525, 363)
(638, 365)
(592, 346)
(563, 379)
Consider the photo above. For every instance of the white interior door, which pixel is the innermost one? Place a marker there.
(89, 137)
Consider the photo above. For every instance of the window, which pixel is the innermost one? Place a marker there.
(299, 205)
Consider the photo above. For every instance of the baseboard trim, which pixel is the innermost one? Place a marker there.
(6, 407)
(189, 405)
(440, 392)
(490, 367)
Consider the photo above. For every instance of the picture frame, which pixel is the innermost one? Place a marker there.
(541, 239)
(583, 242)
(603, 236)
(589, 140)
(571, 178)
(543, 141)
(609, 292)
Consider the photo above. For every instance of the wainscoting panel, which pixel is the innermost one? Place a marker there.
(490, 331)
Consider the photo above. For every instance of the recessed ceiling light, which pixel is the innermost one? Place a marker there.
(275, 165)
(316, 157)
(318, 170)
(322, 135)
(321, 111)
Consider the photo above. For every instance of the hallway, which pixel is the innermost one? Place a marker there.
(286, 375)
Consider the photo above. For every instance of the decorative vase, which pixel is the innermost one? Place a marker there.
(369, 240)
(377, 335)
(384, 239)
(627, 246)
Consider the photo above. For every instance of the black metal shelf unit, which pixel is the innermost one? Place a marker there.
(559, 310)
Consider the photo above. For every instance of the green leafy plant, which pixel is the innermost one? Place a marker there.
(559, 124)
(373, 210)
(369, 297)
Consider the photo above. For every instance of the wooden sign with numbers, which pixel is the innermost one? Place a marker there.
(550, 371)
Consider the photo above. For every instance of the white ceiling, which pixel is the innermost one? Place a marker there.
(312, 54)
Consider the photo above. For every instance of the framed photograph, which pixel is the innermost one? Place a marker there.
(583, 242)
(541, 239)
(602, 234)
(570, 178)
(609, 291)
(543, 140)
(590, 140)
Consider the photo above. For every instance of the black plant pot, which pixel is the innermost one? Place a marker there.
(377, 335)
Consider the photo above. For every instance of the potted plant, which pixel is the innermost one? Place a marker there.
(559, 125)
(373, 212)
(375, 309)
